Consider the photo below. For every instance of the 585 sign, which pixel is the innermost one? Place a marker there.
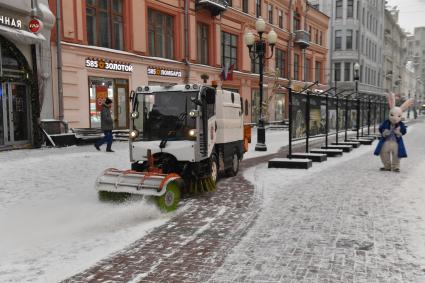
(106, 64)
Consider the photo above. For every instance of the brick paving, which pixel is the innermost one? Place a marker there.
(315, 243)
(193, 244)
(338, 229)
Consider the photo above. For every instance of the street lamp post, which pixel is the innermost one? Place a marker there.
(346, 118)
(374, 115)
(362, 115)
(408, 109)
(356, 80)
(259, 52)
(368, 114)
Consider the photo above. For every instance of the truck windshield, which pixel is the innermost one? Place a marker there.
(165, 115)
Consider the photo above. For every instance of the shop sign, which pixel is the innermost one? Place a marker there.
(10, 22)
(35, 25)
(156, 71)
(106, 64)
(101, 95)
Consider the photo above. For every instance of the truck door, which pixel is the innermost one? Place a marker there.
(212, 128)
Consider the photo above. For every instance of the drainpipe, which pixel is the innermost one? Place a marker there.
(359, 21)
(59, 58)
(290, 43)
(186, 40)
(331, 47)
(289, 70)
(304, 49)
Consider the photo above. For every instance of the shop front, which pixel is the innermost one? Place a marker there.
(114, 89)
(14, 114)
(24, 72)
(15, 102)
(109, 79)
(90, 75)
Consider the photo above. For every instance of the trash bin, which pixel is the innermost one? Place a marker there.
(246, 136)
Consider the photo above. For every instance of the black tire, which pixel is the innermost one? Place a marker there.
(214, 168)
(139, 167)
(234, 169)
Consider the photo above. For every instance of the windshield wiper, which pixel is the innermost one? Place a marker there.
(182, 116)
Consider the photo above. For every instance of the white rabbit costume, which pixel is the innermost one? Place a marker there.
(391, 147)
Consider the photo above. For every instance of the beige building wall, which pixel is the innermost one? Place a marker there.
(136, 51)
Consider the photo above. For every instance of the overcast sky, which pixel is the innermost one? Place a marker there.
(412, 13)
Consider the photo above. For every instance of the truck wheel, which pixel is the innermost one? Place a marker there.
(214, 168)
(232, 171)
(170, 200)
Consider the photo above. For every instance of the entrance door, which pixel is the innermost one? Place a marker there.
(14, 118)
(121, 107)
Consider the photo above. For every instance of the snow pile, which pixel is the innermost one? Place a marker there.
(52, 223)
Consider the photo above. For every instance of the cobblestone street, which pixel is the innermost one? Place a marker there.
(194, 244)
(310, 229)
(156, 141)
(353, 226)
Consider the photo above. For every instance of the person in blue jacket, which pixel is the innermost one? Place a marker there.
(391, 147)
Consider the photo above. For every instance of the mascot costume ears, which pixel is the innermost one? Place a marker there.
(391, 147)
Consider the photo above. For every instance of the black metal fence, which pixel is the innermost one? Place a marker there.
(373, 110)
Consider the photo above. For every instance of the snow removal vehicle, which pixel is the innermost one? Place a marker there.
(181, 138)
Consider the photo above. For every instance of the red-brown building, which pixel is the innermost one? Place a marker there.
(110, 47)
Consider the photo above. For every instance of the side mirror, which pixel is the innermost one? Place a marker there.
(210, 95)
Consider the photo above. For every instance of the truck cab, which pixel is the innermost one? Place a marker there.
(189, 129)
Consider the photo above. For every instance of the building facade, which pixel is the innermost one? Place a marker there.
(409, 85)
(355, 36)
(416, 53)
(25, 71)
(111, 47)
(395, 56)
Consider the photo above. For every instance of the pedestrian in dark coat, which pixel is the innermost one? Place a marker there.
(106, 125)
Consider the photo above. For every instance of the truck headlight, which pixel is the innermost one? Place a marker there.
(192, 132)
(134, 114)
(134, 134)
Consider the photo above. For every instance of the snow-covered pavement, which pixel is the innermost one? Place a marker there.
(52, 224)
(340, 221)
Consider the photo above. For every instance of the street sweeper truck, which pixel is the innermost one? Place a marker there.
(181, 138)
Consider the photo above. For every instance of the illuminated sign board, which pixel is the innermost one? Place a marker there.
(106, 64)
(35, 25)
(156, 71)
(10, 22)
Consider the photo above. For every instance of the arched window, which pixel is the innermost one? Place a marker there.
(13, 64)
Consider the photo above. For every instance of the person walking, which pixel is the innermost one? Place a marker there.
(106, 126)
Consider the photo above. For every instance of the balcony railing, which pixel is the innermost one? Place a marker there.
(214, 6)
(302, 38)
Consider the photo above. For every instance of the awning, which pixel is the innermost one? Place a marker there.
(21, 36)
